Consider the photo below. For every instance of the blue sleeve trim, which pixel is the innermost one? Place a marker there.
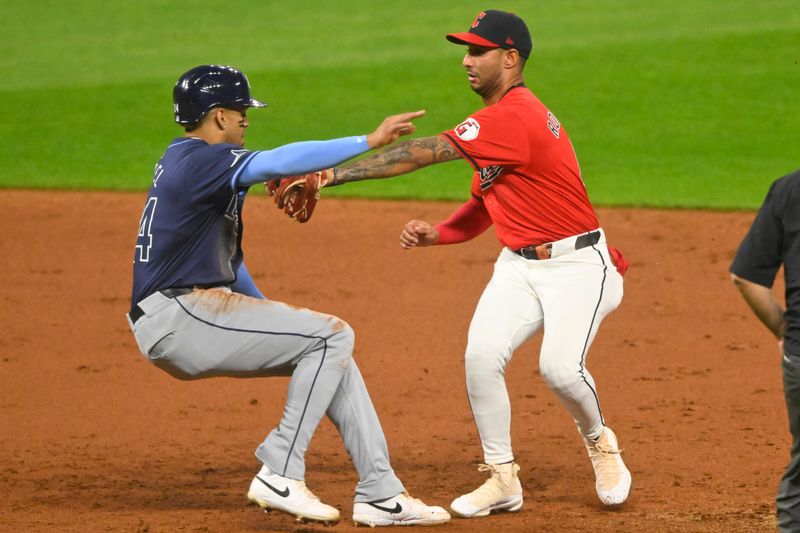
(238, 172)
(299, 158)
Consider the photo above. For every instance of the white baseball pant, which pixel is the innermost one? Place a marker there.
(568, 294)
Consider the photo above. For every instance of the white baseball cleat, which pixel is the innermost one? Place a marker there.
(501, 492)
(613, 480)
(402, 510)
(271, 491)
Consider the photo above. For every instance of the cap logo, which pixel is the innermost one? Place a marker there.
(468, 130)
(478, 19)
(509, 41)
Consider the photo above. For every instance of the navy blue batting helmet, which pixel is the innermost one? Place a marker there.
(207, 86)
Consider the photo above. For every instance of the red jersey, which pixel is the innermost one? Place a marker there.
(526, 171)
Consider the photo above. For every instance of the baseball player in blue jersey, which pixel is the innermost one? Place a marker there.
(196, 313)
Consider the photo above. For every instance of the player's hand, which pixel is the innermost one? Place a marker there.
(418, 233)
(392, 128)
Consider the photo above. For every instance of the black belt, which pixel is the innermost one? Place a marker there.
(545, 251)
(137, 312)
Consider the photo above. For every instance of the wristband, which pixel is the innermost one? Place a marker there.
(334, 182)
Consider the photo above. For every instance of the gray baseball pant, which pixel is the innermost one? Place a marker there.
(216, 332)
(788, 499)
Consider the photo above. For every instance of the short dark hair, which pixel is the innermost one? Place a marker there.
(195, 125)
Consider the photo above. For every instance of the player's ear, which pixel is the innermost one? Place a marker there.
(511, 58)
(219, 117)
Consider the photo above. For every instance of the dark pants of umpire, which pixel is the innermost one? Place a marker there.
(788, 500)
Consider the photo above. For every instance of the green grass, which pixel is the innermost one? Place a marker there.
(675, 104)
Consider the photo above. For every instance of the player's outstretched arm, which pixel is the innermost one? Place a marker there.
(296, 159)
(297, 194)
(400, 158)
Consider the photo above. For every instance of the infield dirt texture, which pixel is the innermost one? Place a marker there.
(691, 105)
(96, 439)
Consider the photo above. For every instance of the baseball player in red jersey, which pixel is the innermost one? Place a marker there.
(555, 270)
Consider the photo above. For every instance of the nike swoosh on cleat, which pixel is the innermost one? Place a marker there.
(282, 493)
(397, 508)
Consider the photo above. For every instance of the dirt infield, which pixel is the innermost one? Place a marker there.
(93, 438)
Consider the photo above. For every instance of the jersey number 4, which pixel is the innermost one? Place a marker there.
(144, 241)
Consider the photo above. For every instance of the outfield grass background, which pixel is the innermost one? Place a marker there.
(673, 104)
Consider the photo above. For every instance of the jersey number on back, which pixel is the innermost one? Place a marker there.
(144, 241)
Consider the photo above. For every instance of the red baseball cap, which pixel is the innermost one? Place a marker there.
(496, 29)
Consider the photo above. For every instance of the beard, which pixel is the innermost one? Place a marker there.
(487, 87)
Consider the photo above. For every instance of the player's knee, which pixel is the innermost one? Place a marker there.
(342, 340)
(559, 377)
(486, 356)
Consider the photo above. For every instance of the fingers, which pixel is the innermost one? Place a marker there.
(393, 127)
(408, 237)
(402, 123)
(405, 129)
(403, 119)
(408, 240)
(414, 234)
(411, 115)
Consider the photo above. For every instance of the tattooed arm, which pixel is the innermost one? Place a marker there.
(398, 159)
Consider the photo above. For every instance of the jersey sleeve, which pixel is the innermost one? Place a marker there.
(299, 158)
(491, 136)
(214, 170)
(759, 256)
(466, 223)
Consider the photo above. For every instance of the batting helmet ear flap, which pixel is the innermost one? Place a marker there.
(202, 88)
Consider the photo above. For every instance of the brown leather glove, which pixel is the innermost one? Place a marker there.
(298, 195)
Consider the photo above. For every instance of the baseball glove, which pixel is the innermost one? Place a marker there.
(298, 195)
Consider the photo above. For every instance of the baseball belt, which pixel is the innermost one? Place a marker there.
(137, 312)
(545, 251)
